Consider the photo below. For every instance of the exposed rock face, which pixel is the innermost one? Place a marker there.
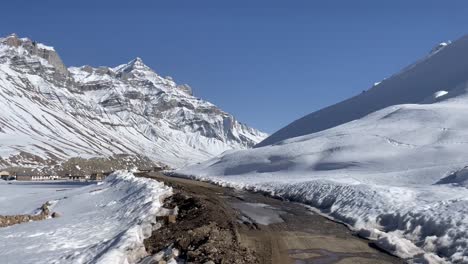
(42, 51)
(55, 113)
(201, 232)
(13, 41)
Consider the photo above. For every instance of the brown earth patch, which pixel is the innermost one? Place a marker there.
(203, 232)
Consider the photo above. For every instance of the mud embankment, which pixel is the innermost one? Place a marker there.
(203, 232)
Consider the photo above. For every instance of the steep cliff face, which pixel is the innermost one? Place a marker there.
(25, 45)
(56, 113)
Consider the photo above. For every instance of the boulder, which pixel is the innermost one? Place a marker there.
(55, 215)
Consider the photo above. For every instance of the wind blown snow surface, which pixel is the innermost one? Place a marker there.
(99, 223)
(397, 174)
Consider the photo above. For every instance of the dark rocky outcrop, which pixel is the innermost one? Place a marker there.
(10, 220)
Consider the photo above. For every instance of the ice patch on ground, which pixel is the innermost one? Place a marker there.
(259, 213)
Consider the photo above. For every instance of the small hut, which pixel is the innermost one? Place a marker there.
(4, 175)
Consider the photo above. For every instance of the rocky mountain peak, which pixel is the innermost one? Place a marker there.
(103, 111)
(12, 40)
(135, 64)
(20, 47)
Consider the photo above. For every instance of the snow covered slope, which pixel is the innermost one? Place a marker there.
(98, 223)
(397, 175)
(49, 112)
(444, 68)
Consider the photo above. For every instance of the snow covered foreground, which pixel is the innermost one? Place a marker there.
(99, 223)
(396, 175)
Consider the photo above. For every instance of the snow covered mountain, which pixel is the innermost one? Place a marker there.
(390, 162)
(49, 112)
(442, 69)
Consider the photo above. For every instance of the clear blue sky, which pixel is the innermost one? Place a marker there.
(267, 62)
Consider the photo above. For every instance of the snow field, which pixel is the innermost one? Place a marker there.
(99, 223)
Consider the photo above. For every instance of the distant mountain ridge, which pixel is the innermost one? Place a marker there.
(50, 112)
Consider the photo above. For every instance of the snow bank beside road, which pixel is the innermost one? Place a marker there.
(420, 224)
(397, 175)
(390, 162)
(99, 223)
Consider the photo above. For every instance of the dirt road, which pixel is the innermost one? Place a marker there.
(271, 230)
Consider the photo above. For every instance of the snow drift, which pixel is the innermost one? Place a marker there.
(99, 223)
(393, 171)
